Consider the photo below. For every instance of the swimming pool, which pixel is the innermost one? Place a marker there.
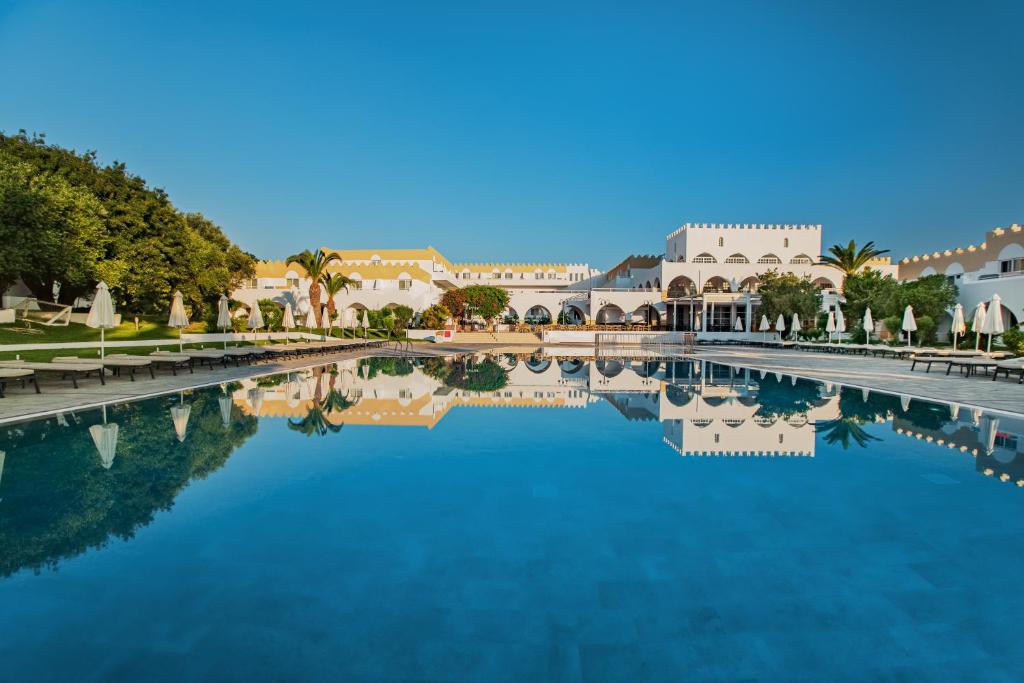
(513, 518)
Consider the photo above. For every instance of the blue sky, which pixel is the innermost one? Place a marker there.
(530, 131)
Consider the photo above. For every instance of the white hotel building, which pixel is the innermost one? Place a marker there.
(706, 279)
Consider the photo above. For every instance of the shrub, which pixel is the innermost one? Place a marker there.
(925, 333)
(1013, 340)
(272, 313)
(435, 317)
(892, 324)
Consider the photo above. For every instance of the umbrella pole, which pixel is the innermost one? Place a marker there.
(102, 351)
(989, 349)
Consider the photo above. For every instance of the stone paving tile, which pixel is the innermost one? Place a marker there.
(878, 374)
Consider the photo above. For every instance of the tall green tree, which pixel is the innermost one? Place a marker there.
(476, 300)
(786, 293)
(849, 259)
(333, 283)
(930, 296)
(51, 230)
(315, 264)
(870, 289)
(110, 226)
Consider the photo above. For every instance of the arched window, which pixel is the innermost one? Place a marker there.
(801, 260)
(704, 258)
(737, 258)
(770, 259)
(785, 242)
(721, 241)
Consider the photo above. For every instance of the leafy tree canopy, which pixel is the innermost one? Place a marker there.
(786, 293)
(849, 259)
(931, 295)
(435, 317)
(66, 218)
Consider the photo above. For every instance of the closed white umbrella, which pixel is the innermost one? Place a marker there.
(366, 323)
(179, 416)
(255, 321)
(795, 324)
(958, 326)
(310, 319)
(101, 314)
(868, 323)
(739, 324)
(991, 427)
(225, 403)
(765, 326)
(223, 316)
(909, 324)
(780, 325)
(865, 394)
(178, 318)
(2, 457)
(288, 320)
(993, 324)
(830, 325)
(840, 322)
(104, 437)
(977, 323)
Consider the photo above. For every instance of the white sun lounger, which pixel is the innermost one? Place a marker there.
(17, 375)
(72, 370)
(116, 364)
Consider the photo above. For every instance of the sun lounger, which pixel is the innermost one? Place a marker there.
(17, 375)
(201, 356)
(72, 370)
(170, 360)
(1008, 367)
(116, 364)
(928, 359)
(970, 366)
(237, 354)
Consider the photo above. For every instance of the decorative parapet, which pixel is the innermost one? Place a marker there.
(742, 226)
(515, 267)
(970, 249)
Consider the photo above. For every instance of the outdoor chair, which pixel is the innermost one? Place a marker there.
(65, 370)
(17, 375)
(970, 366)
(174, 361)
(116, 364)
(1008, 367)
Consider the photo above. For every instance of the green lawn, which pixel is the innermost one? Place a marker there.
(49, 354)
(41, 334)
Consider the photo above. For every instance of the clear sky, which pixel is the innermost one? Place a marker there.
(526, 131)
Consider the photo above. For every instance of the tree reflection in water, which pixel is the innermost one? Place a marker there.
(57, 500)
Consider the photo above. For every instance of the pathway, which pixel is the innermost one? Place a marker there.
(878, 374)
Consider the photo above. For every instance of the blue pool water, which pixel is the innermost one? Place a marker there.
(514, 519)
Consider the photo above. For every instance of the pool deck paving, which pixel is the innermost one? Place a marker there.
(876, 374)
(887, 375)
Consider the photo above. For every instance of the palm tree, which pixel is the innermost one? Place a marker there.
(843, 430)
(315, 422)
(333, 283)
(849, 259)
(315, 264)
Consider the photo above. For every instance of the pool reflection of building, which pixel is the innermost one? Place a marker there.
(705, 409)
